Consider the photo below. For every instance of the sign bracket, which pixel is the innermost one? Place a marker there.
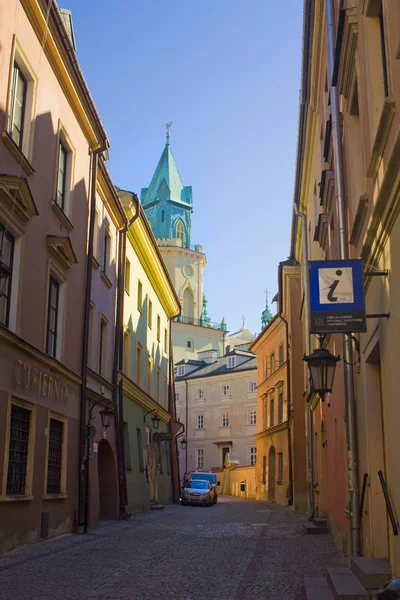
(378, 316)
(376, 273)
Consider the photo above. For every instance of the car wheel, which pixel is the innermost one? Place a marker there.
(215, 499)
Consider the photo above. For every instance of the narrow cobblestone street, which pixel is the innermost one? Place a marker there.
(235, 550)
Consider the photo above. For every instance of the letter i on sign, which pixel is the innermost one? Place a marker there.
(336, 286)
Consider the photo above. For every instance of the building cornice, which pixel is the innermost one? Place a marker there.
(271, 430)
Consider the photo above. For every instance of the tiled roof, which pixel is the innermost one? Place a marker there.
(219, 367)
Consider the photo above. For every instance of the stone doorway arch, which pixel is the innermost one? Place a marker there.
(108, 493)
(271, 474)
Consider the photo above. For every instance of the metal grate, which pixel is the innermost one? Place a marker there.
(18, 450)
(54, 465)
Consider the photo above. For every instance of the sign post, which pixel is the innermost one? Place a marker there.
(337, 303)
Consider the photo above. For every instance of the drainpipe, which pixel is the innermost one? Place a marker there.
(118, 364)
(186, 426)
(84, 464)
(288, 388)
(351, 429)
(306, 313)
(175, 431)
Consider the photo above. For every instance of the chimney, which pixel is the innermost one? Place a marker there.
(208, 356)
(228, 349)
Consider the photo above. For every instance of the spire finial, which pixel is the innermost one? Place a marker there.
(243, 320)
(168, 127)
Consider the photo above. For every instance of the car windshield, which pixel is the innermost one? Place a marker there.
(211, 477)
(199, 485)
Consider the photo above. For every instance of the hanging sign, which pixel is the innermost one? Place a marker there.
(337, 301)
(161, 436)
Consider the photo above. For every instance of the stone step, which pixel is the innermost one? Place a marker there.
(317, 588)
(156, 506)
(320, 522)
(345, 585)
(313, 529)
(372, 572)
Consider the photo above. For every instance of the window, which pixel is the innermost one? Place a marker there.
(264, 470)
(200, 422)
(281, 355)
(181, 370)
(52, 316)
(165, 340)
(127, 354)
(384, 58)
(55, 456)
(149, 376)
(226, 390)
(265, 367)
(252, 387)
(96, 235)
(150, 314)
(127, 276)
(231, 362)
(199, 458)
(139, 296)
(158, 328)
(280, 467)
(280, 406)
(18, 452)
(177, 398)
(140, 449)
(162, 216)
(252, 455)
(17, 106)
(180, 231)
(200, 394)
(265, 414)
(158, 385)
(138, 364)
(252, 420)
(61, 176)
(272, 412)
(189, 344)
(127, 447)
(102, 346)
(106, 251)
(6, 258)
(272, 362)
(225, 419)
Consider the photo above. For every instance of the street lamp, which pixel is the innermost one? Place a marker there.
(106, 415)
(156, 419)
(322, 366)
(183, 443)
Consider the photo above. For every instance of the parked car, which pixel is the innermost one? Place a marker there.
(207, 476)
(198, 492)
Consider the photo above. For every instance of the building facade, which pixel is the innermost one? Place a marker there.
(280, 438)
(216, 400)
(150, 303)
(50, 135)
(366, 76)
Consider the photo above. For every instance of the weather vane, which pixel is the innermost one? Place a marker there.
(243, 319)
(266, 294)
(168, 127)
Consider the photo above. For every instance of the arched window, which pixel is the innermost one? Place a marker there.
(188, 303)
(180, 231)
(162, 216)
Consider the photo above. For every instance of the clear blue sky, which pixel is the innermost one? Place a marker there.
(227, 74)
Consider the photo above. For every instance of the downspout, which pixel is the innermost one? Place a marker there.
(306, 317)
(186, 426)
(173, 427)
(351, 429)
(288, 388)
(118, 364)
(84, 464)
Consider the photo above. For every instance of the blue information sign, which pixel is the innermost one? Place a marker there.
(337, 301)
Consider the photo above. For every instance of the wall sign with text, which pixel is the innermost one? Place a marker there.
(337, 301)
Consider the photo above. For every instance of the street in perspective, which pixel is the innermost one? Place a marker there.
(199, 292)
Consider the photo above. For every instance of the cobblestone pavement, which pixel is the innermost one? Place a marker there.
(235, 550)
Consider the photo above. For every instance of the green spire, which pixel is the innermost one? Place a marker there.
(205, 320)
(266, 314)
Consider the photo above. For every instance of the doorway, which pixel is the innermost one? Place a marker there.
(271, 475)
(225, 451)
(108, 495)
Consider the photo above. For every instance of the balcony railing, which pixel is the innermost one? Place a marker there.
(178, 243)
(201, 323)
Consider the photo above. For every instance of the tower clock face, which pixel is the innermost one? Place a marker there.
(188, 271)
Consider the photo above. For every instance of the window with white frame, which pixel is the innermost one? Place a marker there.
(252, 455)
(181, 370)
(200, 422)
(231, 362)
(199, 458)
(226, 390)
(17, 118)
(177, 398)
(6, 258)
(252, 416)
(225, 419)
(252, 386)
(200, 394)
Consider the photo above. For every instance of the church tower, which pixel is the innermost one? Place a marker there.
(168, 206)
